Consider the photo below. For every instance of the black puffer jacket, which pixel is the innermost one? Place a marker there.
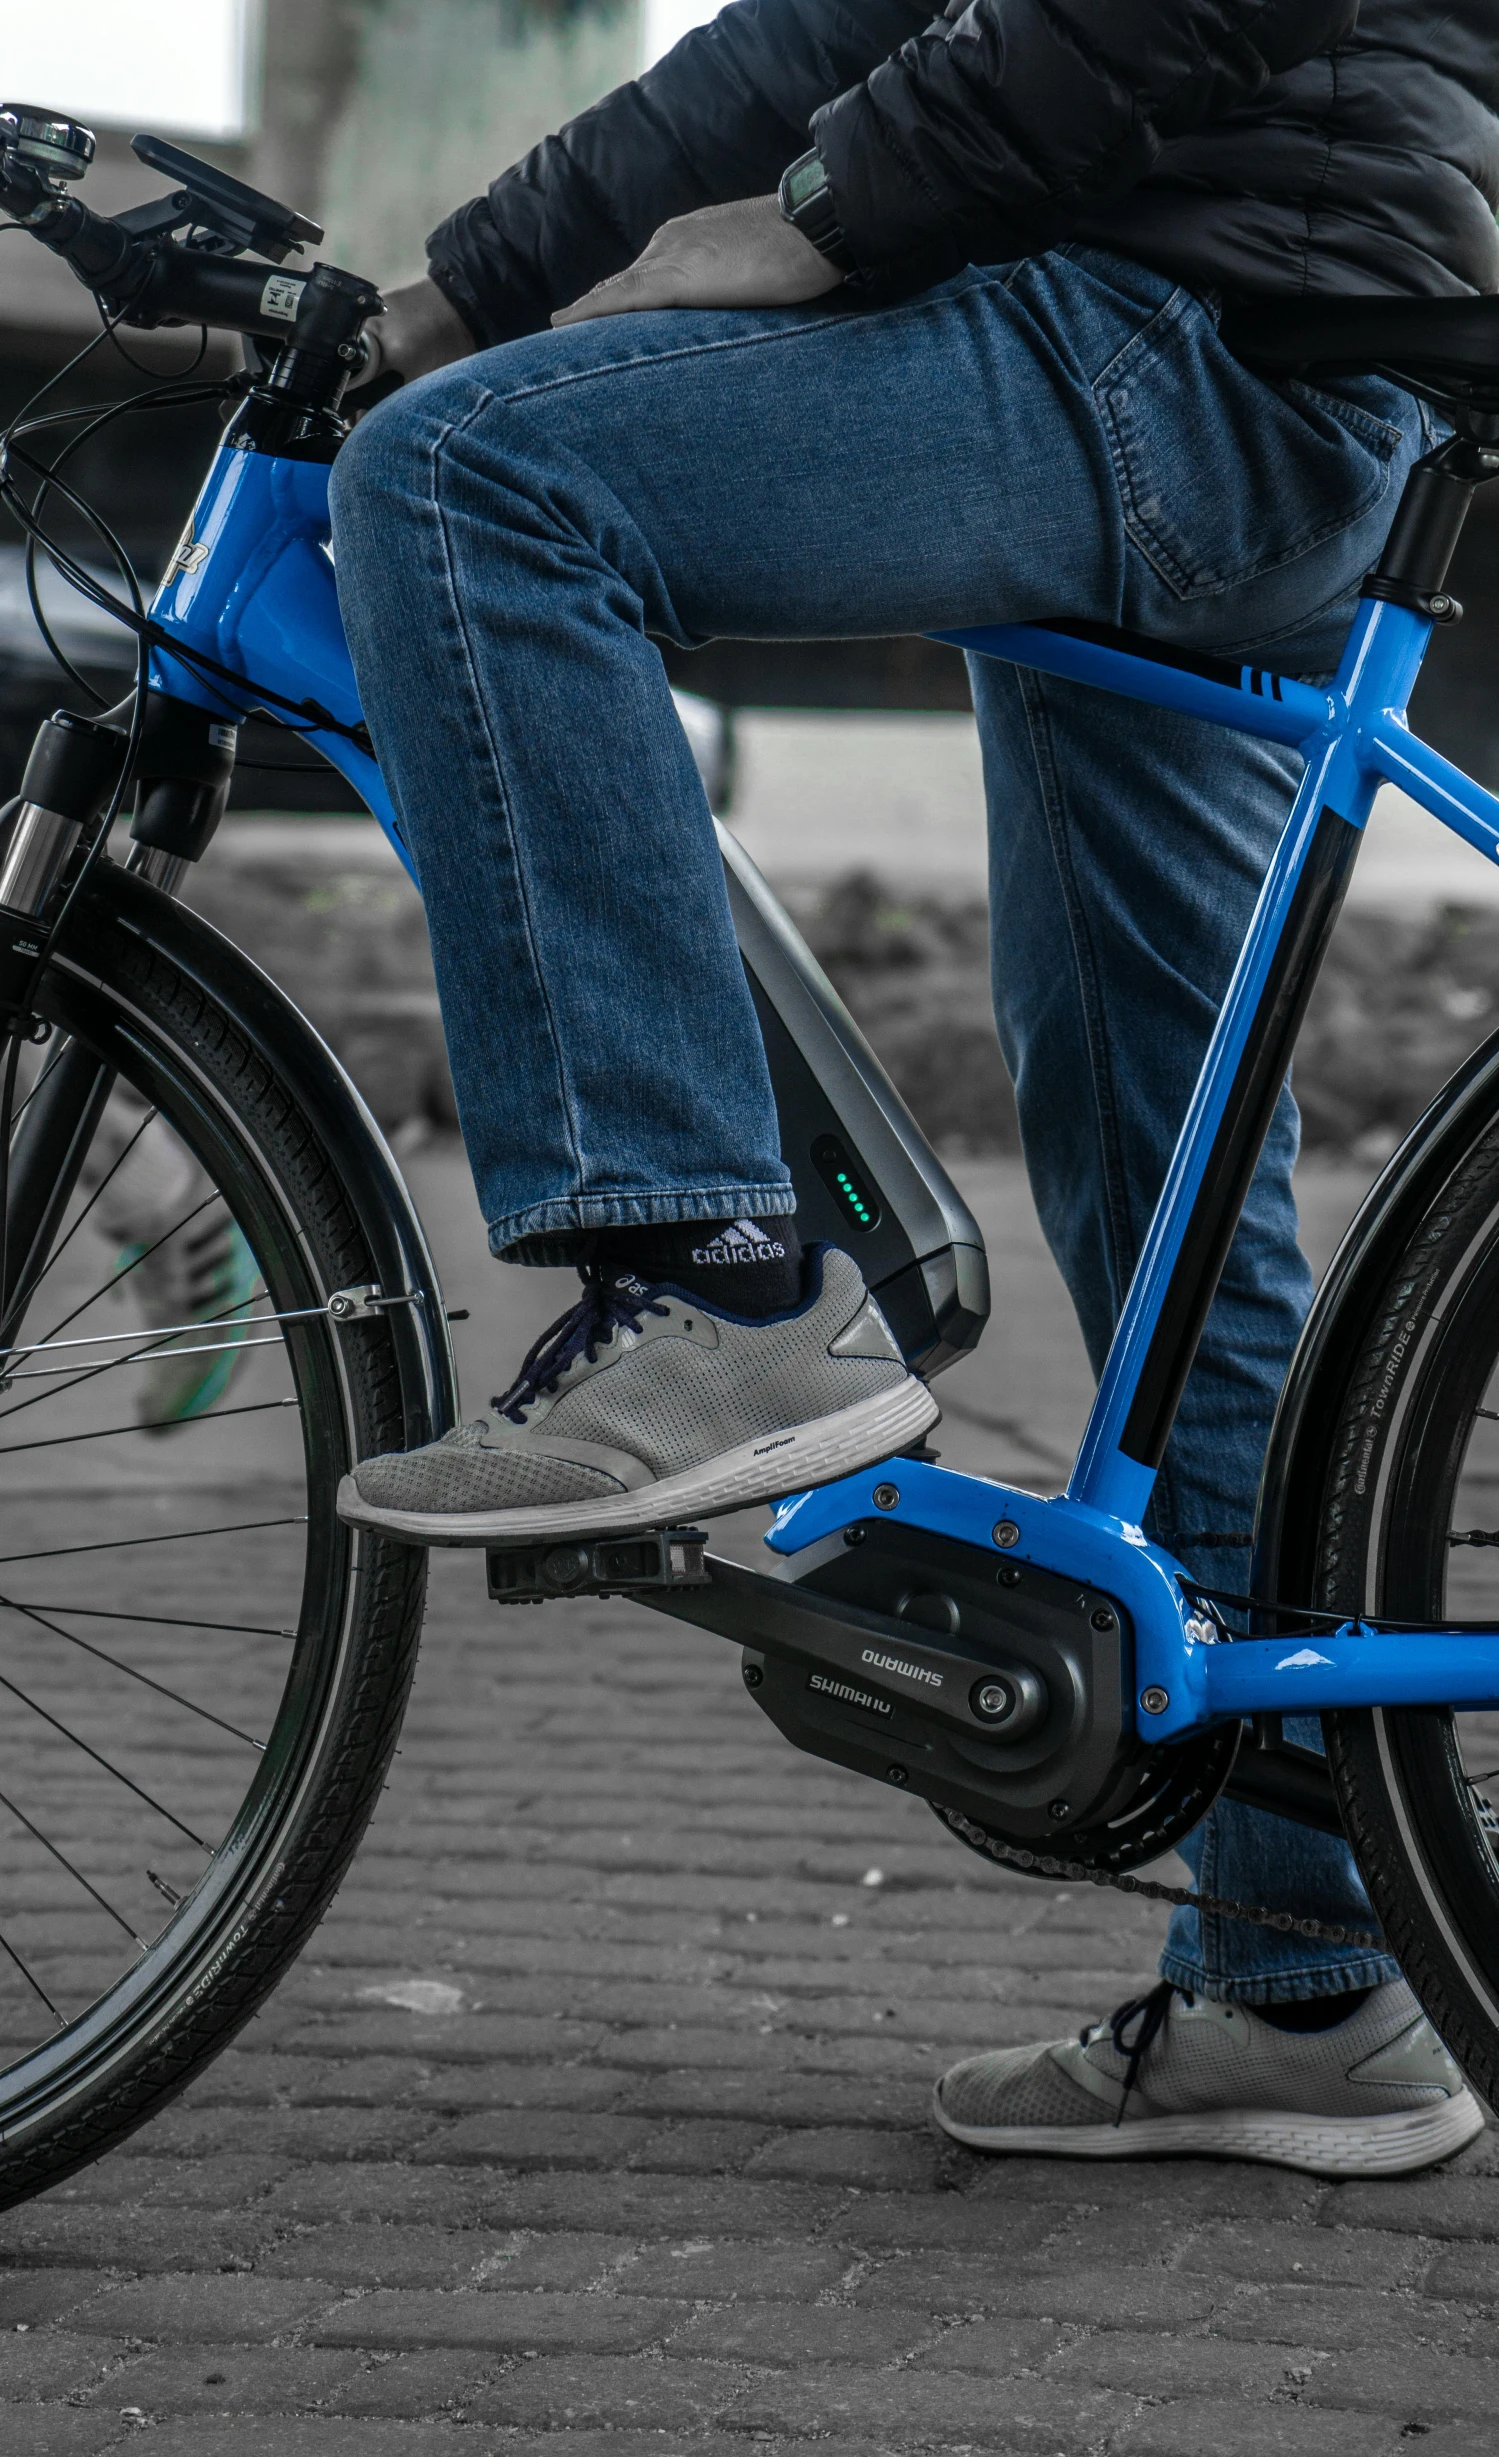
(1279, 146)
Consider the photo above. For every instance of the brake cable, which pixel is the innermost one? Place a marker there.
(316, 718)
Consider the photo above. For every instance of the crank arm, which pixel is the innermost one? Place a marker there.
(868, 1657)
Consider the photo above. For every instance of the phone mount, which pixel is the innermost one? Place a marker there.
(221, 216)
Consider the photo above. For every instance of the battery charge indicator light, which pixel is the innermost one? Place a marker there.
(855, 1197)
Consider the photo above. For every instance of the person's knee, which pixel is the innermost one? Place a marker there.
(383, 470)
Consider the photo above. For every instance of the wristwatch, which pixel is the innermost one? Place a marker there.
(806, 202)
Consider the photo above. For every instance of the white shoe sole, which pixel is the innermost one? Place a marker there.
(1319, 2145)
(818, 1452)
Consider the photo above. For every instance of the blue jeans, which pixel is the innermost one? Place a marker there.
(1065, 436)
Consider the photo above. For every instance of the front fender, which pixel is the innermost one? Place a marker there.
(115, 900)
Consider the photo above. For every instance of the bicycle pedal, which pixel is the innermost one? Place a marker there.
(599, 1565)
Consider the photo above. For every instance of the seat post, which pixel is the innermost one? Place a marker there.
(1412, 571)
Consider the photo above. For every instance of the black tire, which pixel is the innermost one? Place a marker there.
(1413, 1450)
(333, 1708)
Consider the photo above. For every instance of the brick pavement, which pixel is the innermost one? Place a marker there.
(595, 2116)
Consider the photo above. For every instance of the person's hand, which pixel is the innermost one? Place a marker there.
(740, 255)
(419, 330)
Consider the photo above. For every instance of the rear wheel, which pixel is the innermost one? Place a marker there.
(202, 1673)
(1410, 1530)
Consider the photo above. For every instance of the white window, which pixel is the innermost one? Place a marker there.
(664, 22)
(180, 67)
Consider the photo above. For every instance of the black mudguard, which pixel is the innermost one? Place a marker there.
(116, 901)
(1269, 1774)
(1338, 1326)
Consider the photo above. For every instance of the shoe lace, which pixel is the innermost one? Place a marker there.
(1148, 2013)
(581, 1331)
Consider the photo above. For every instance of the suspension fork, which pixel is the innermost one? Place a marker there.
(69, 778)
(58, 1123)
(182, 767)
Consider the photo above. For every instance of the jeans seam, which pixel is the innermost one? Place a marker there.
(904, 311)
(1209, 1924)
(566, 1101)
(767, 1201)
(1287, 1982)
(1111, 396)
(1033, 700)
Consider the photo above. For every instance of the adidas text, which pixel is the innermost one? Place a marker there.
(743, 1242)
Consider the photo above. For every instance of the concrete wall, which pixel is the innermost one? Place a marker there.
(377, 116)
(442, 95)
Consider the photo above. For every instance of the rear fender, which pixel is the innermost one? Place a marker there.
(1342, 1315)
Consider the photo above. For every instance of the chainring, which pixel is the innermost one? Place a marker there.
(1175, 1786)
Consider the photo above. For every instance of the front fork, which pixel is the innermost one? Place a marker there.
(182, 770)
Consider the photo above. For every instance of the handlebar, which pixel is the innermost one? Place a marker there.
(145, 274)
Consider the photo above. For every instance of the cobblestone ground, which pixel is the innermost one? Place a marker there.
(595, 2119)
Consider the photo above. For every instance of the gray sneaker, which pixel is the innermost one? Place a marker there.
(644, 1407)
(1170, 2075)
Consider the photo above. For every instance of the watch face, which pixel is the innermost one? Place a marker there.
(805, 180)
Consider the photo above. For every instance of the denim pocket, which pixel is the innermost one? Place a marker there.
(1223, 477)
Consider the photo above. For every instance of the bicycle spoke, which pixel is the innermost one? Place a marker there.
(160, 1620)
(30, 1613)
(87, 1373)
(175, 1535)
(61, 1857)
(64, 1242)
(1477, 1536)
(31, 1979)
(125, 1270)
(149, 1869)
(161, 1330)
(150, 1424)
(109, 1767)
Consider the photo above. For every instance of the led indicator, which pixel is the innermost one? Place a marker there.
(855, 1198)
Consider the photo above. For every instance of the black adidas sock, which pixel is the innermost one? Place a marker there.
(1306, 2013)
(744, 1266)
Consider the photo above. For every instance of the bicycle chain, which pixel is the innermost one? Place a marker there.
(1074, 1872)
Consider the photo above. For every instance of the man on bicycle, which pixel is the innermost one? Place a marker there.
(872, 324)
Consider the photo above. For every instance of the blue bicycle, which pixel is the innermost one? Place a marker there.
(1066, 1698)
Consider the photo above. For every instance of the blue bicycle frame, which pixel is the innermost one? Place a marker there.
(252, 587)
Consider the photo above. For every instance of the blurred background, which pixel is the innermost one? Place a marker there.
(854, 775)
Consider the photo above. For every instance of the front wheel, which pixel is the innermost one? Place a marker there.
(202, 1673)
(1409, 1531)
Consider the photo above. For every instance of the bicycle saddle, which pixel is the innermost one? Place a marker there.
(1440, 347)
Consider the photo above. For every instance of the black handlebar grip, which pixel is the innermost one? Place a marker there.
(101, 254)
